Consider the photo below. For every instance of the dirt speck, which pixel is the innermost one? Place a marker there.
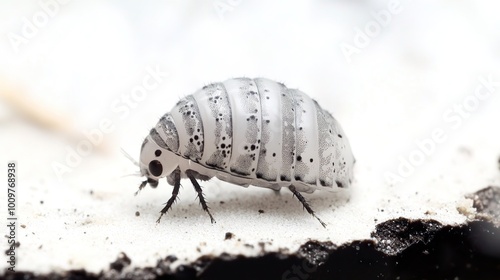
(229, 235)
(487, 204)
(122, 261)
(316, 252)
(137, 213)
(396, 235)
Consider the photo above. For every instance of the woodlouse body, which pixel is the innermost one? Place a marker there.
(249, 132)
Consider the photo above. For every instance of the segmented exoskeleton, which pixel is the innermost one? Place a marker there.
(248, 132)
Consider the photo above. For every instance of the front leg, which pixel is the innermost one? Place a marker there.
(175, 192)
(141, 186)
(197, 187)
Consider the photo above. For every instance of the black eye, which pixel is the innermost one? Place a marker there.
(157, 153)
(155, 168)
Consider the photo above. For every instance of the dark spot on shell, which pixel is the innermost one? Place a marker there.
(196, 137)
(274, 154)
(322, 182)
(222, 145)
(252, 147)
(339, 184)
(283, 178)
(157, 153)
(259, 175)
(297, 178)
(299, 158)
(339, 135)
(311, 160)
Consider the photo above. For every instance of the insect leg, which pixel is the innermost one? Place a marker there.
(305, 204)
(175, 192)
(143, 184)
(201, 197)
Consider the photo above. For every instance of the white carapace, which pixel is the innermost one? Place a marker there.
(248, 132)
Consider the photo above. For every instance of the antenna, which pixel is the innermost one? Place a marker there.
(129, 157)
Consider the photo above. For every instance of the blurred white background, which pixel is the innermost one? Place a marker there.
(392, 73)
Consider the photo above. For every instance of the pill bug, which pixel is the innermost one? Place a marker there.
(248, 132)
